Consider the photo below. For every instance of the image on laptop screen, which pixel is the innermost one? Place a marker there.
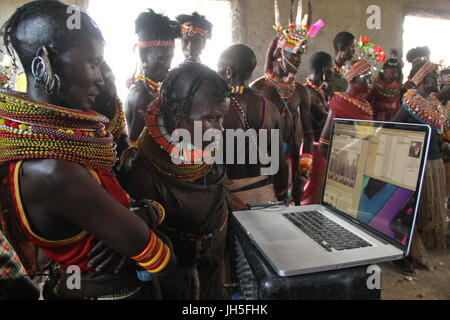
(372, 176)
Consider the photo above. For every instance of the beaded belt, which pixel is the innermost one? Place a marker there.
(186, 236)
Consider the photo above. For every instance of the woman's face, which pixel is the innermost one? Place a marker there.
(156, 62)
(390, 75)
(207, 109)
(80, 74)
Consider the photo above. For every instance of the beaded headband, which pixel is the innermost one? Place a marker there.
(155, 43)
(427, 68)
(189, 29)
(356, 69)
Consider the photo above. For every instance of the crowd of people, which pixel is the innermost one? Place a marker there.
(91, 183)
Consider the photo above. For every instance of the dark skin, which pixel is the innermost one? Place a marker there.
(156, 62)
(357, 88)
(319, 101)
(61, 197)
(344, 54)
(193, 46)
(205, 108)
(299, 107)
(251, 104)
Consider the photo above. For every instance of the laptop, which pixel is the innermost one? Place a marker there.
(368, 206)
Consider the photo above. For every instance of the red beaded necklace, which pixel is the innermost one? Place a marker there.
(157, 150)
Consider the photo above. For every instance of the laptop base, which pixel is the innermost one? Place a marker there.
(259, 281)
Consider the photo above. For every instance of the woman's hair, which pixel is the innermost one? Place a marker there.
(416, 67)
(320, 60)
(45, 23)
(417, 52)
(183, 82)
(154, 26)
(342, 39)
(197, 20)
(394, 64)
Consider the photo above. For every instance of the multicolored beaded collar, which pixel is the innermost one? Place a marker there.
(117, 123)
(158, 151)
(311, 84)
(357, 103)
(152, 85)
(429, 111)
(286, 89)
(32, 130)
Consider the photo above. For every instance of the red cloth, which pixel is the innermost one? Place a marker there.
(313, 187)
(74, 251)
(342, 108)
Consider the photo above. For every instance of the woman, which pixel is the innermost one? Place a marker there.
(385, 95)
(178, 174)
(351, 104)
(65, 196)
(420, 105)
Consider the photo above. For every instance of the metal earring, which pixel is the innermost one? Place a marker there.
(42, 72)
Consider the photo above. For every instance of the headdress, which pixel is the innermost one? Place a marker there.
(423, 72)
(372, 54)
(445, 77)
(155, 30)
(194, 23)
(296, 36)
(356, 68)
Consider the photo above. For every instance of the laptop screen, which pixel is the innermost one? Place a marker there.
(373, 174)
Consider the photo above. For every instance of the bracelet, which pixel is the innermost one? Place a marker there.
(155, 256)
(164, 264)
(323, 140)
(159, 261)
(148, 249)
(159, 210)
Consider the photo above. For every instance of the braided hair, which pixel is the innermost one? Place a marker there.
(44, 23)
(197, 20)
(182, 83)
(154, 26)
(416, 53)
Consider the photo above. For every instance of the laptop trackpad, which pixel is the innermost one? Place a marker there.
(274, 233)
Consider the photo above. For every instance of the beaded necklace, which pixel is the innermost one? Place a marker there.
(285, 89)
(157, 149)
(429, 111)
(338, 69)
(238, 89)
(312, 85)
(117, 124)
(389, 90)
(363, 106)
(152, 85)
(32, 130)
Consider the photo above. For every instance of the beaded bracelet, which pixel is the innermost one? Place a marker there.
(159, 210)
(305, 164)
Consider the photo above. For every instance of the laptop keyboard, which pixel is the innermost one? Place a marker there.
(325, 231)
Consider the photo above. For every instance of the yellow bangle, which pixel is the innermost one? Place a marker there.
(155, 258)
(163, 265)
(148, 250)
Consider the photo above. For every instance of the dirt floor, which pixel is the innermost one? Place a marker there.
(424, 285)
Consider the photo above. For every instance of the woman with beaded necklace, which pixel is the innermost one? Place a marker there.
(59, 154)
(420, 105)
(193, 189)
(385, 95)
(350, 104)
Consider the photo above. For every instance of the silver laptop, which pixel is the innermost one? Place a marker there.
(368, 206)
